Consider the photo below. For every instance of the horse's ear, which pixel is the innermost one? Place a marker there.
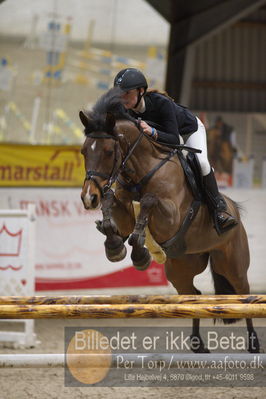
(110, 122)
(83, 118)
(86, 122)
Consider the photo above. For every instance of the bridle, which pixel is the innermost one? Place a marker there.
(92, 174)
(116, 169)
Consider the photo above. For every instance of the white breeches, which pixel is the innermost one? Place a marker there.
(198, 140)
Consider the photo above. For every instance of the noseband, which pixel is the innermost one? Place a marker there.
(91, 174)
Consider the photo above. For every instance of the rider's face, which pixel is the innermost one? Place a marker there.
(131, 97)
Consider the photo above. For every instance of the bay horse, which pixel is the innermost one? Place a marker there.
(221, 153)
(116, 150)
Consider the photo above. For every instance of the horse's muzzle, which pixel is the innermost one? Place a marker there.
(91, 201)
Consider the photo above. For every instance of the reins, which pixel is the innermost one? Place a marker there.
(114, 175)
(134, 145)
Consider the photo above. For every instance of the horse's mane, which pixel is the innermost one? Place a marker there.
(109, 102)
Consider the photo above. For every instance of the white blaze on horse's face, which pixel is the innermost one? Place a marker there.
(93, 145)
(89, 197)
(89, 194)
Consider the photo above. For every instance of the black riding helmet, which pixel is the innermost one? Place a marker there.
(130, 79)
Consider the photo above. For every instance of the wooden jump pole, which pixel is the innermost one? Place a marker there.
(132, 299)
(114, 311)
(44, 360)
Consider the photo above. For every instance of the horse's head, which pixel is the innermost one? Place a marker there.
(102, 158)
(102, 150)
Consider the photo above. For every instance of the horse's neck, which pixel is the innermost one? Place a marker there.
(144, 154)
(147, 155)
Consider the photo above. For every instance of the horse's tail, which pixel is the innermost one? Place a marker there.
(222, 287)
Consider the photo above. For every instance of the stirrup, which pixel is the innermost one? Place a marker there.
(221, 226)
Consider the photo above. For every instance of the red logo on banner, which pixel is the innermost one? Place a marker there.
(10, 240)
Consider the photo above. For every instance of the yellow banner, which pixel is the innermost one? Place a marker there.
(41, 166)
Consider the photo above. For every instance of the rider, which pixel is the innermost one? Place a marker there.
(173, 120)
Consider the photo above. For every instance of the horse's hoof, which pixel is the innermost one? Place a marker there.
(143, 263)
(201, 349)
(115, 255)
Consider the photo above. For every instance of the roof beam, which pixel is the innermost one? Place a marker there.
(200, 26)
(191, 30)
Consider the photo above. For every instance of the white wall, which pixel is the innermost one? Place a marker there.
(118, 21)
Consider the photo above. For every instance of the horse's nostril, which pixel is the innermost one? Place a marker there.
(94, 200)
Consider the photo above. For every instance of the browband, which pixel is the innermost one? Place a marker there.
(101, 136)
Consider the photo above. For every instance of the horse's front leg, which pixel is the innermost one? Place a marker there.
(140, 255)
(115, 249)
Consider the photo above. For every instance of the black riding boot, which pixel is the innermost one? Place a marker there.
(223, 221)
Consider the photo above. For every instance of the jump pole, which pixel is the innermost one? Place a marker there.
(117, 311)
(45, 360)
(132, 299)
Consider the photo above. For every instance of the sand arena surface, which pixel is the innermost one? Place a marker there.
(49, 383)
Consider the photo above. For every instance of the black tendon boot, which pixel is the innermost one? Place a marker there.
(223, 221)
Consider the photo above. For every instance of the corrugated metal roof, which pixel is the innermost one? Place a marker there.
(230, 69)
